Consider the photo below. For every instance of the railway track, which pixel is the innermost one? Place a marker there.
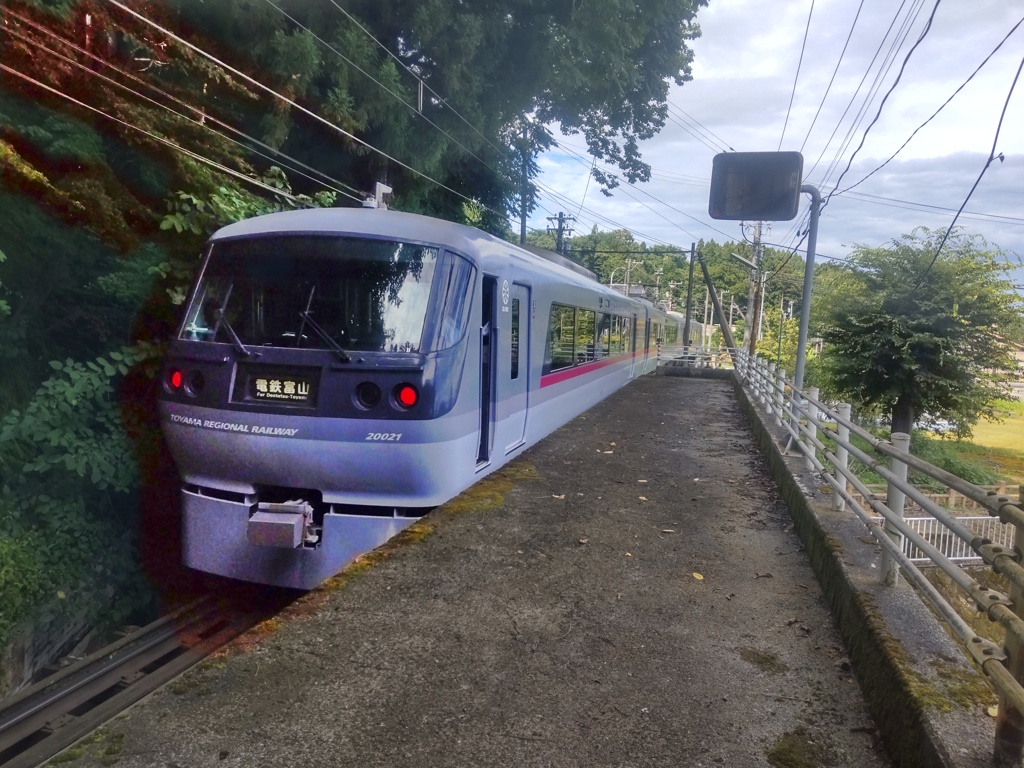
(40, 721)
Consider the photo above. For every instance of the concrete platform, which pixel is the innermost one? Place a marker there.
(631, 592)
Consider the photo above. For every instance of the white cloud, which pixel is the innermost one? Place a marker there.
(743, 79)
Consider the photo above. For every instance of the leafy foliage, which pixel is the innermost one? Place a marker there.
(911, 337)
(103, 223)
(66, 506)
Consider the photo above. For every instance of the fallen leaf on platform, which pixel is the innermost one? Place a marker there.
(698, 577)
(629, 554)
(993, 711)
(584, 541)
(643, 498)
(611, 443)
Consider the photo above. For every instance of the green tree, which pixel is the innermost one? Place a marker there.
(779, 343)
(914, 330)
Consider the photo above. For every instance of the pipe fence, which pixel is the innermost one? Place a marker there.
(695, 356)
(824, 436)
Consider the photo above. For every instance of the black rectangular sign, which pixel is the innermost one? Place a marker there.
(756, 186)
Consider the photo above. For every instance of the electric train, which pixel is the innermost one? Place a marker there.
(339, 372)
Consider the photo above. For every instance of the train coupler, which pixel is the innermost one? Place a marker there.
(287, 525)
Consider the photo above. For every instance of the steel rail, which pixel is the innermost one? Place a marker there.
(49, 716)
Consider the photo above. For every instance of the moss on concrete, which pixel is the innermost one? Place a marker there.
(105, 745)
(766, 661)
(799, 748)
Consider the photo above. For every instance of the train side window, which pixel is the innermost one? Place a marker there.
(453, 300)
(561, 338)
(601, 347)
(585, 320)
(515, 338)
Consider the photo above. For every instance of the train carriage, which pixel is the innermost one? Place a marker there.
(338, 372)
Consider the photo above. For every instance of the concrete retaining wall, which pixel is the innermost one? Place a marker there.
(929, 702)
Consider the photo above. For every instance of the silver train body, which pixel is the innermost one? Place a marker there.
(339, 372)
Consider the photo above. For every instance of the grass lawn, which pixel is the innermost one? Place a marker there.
(999, 445)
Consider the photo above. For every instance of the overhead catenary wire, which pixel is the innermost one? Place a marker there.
(326, 181)
(388, 90)
(295, 105)
(440, 99)
(701, 126)
(155, 137)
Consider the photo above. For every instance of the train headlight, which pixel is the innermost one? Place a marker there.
(406, 395)
(367, 394)
(196, 382)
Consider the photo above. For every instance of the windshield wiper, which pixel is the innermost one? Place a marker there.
(217, 307)
(307, 317)
(218, 315)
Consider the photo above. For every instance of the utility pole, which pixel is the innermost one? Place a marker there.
(754, 301)
(630, 263)
(689, 296)
(562, 230)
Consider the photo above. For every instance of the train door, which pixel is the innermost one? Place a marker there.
(515, 310)
(488, 342)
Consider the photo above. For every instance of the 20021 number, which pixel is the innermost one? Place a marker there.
(383, 437)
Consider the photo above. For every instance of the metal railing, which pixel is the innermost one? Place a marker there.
(801, 414)
(695, 356)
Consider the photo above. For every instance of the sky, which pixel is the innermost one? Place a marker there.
(743, 79)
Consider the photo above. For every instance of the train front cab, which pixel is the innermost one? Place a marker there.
(275, 489)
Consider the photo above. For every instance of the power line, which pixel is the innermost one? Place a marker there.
(796, 77)
(936, 112)
(667, 205)
(899, 39)
(388, 90)
(835, 71)
(860, 85)
(301, 108)
(701, 125)
(440, 100)
(992, 156)
(910, 205)
(881, 106)
(162, 140)
(205, 117)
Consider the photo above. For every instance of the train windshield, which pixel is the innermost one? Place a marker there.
(315, 292)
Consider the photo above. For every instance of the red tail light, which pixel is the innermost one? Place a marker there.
(406, 395)
(175, 379)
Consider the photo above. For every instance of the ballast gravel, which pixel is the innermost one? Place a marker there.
(629, 592)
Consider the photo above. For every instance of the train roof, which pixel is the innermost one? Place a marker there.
(412, 227)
